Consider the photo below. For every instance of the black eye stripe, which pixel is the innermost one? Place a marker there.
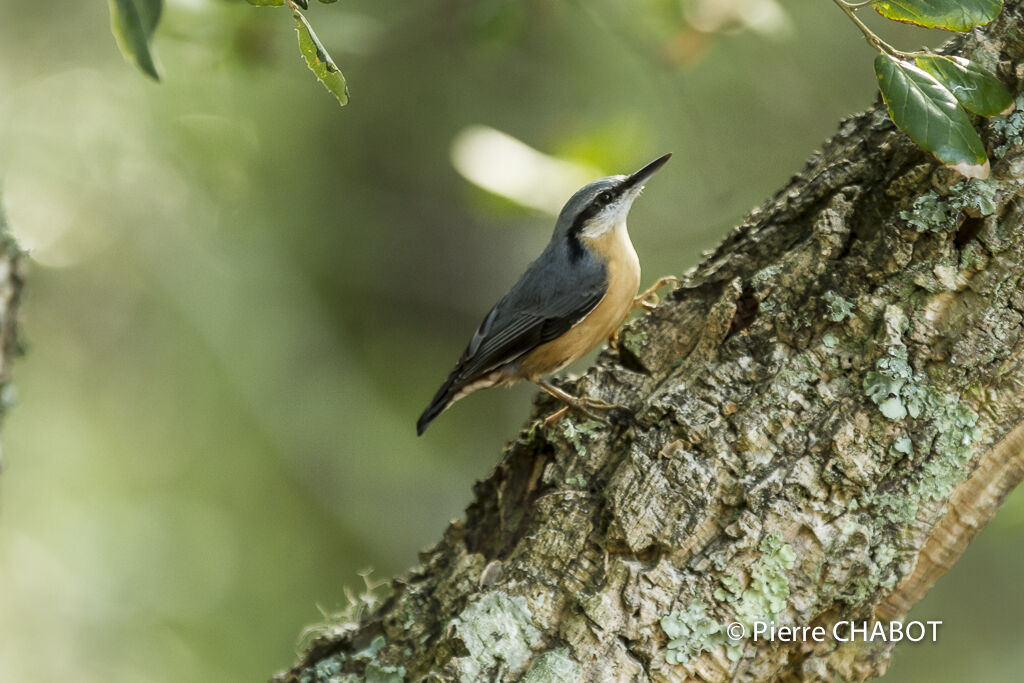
(601, 200)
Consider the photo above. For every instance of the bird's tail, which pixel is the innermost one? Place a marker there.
(454, 388)
(442, 399)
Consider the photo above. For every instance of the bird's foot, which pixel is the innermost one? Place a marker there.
(554, 417)
(591, 407)
(649, 298)
(613, 340)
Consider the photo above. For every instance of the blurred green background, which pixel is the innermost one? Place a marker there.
(242, 296)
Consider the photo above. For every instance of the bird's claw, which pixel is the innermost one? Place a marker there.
(591, 407)
(597, 404)
(649, 299)
(554, 417)
(586, 405)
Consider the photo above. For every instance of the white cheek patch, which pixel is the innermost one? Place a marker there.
(607, 220)
(598, 226)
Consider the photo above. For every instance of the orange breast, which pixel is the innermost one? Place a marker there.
(623, 268)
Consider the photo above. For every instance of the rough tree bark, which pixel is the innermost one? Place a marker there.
(824, 413)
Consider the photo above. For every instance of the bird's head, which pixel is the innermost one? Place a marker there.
(603, 204)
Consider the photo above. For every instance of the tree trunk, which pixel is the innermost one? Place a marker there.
(822, 416)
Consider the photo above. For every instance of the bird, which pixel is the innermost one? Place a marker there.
(571, 298)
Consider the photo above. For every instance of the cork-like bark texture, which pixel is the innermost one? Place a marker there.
(820, 418)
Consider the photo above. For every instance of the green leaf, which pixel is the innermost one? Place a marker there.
(925, 110)
(974, 87)
(954, 15)
(133, 23)
(319, 62)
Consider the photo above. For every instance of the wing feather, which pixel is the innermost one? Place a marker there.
(544, 304)
(506, 337)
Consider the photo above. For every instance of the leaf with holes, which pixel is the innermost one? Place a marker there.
(953, 15)
(319, 62)
(925, 110)
(133, 23)
(974, 87)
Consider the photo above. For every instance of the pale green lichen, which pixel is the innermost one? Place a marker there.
(932, 213)
(893, 385)
(576, 481)
(577, 434)
(928, 213)
(379, 673)
(976, 194)
(973, 257)
(371, 650)
(730, 590)
(553, 666)
(890, 385)
(884, 555)
(766, 594)
(804, 319)
(903, 445)
(899, 392)
(796, 376)
(1011, 127)
(634, 337)
(497, 630)
(957, 431)
(691, 632)
(765, 275)
(838, 308)
(898, 508)
(830, 340)
(893, 409)
(328, 670)
(948, 440)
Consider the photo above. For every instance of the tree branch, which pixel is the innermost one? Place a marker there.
(823, 414)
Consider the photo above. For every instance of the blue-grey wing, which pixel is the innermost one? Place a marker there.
(554, 294)
(537, 310)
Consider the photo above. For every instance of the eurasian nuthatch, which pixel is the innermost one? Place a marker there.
(576, 294)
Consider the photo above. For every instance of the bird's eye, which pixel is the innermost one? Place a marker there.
(605, 198)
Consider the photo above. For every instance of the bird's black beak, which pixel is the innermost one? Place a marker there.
(641, 176)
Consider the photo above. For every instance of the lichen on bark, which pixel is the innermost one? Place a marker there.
(817, 421)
